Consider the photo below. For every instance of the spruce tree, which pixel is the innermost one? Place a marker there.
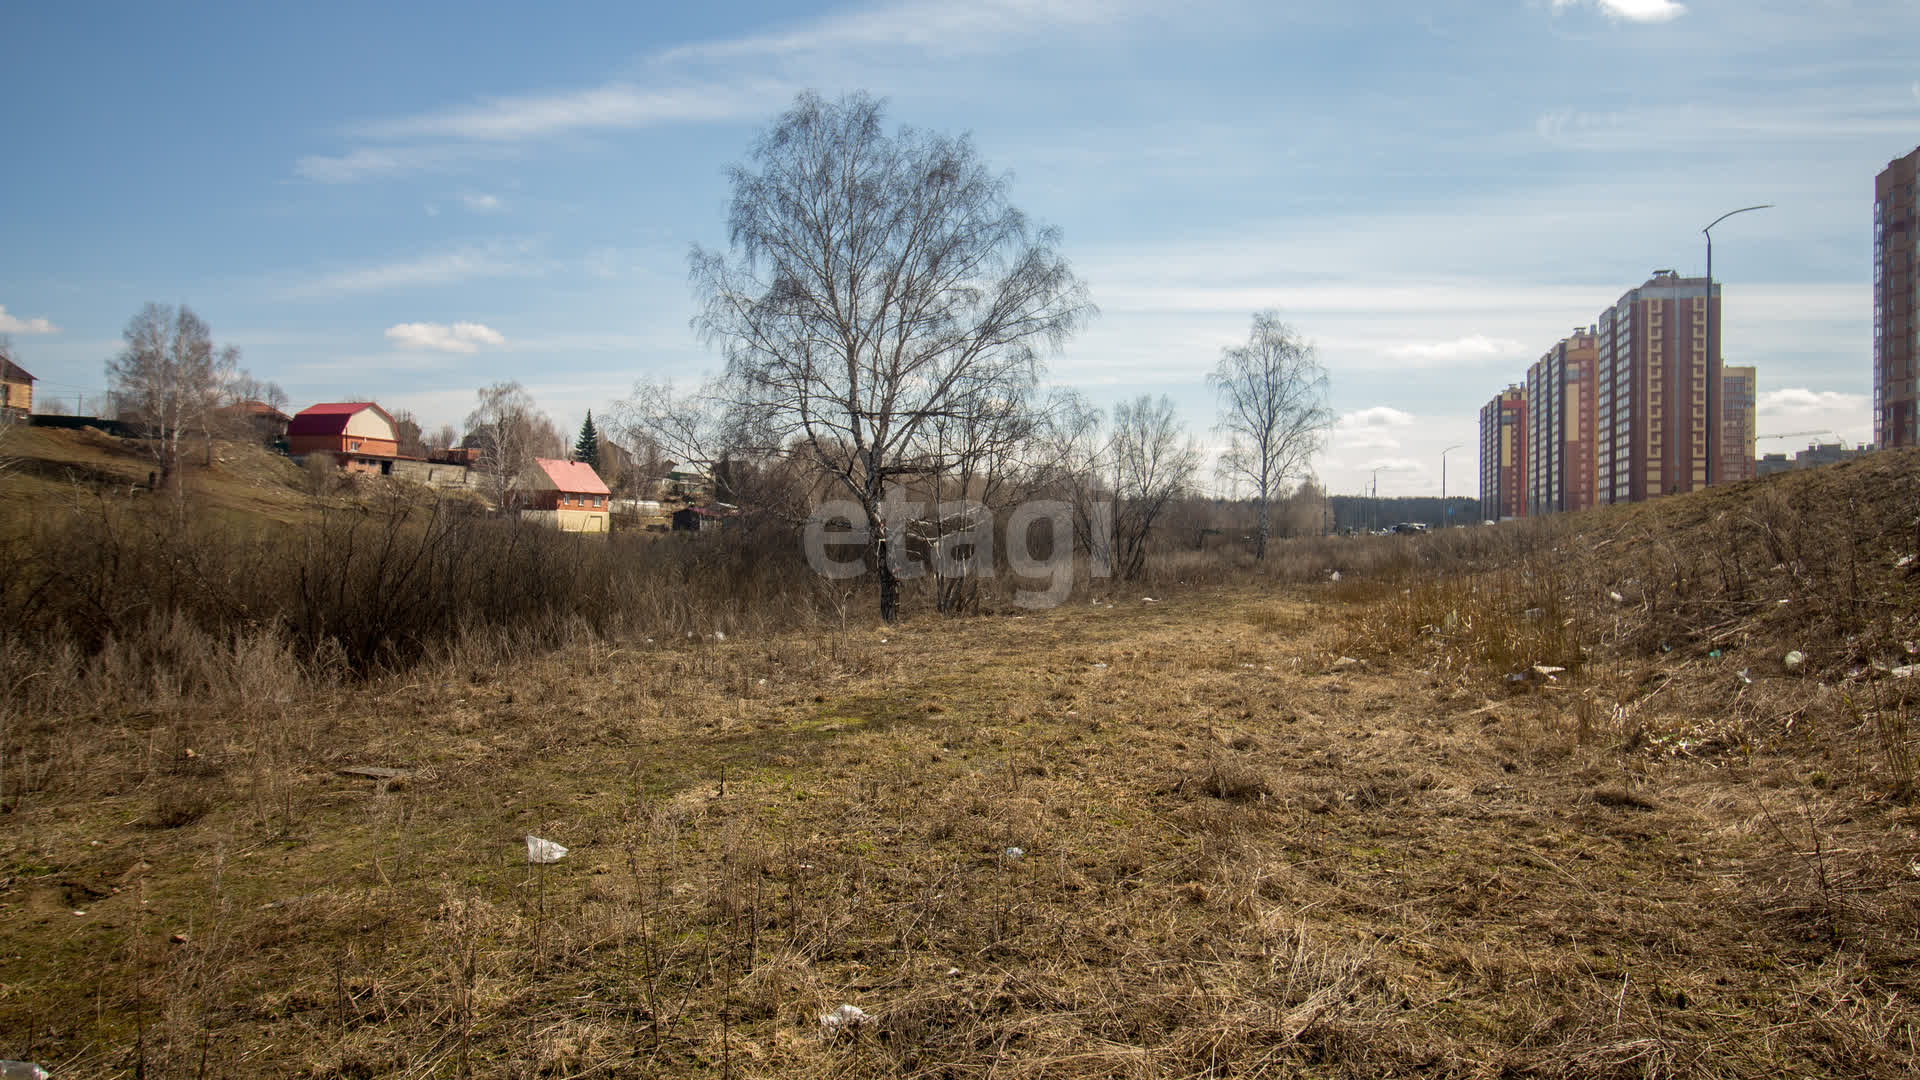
(587, 447)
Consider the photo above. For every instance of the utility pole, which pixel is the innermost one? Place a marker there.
(1446, 512)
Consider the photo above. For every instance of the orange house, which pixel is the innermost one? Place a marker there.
(569, 494)
(359, 434)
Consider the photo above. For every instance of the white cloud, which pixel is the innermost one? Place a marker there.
(1649, 11)
(374, 161)
(1471, 347)
(11, 325)
(612, 105)
(936, 26)
(1810, 414)
(461, 337)
(426, 270)
(1379, 416)
(481, 203)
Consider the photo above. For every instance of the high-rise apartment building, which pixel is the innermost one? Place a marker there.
(1560, 425)
(1737, 397)
(1503, 455)
(1896, 294)
(1657, 406)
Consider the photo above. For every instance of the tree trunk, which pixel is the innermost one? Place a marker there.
(1260, 535)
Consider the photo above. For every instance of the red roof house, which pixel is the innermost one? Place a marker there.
(359, 434)
(567, 493)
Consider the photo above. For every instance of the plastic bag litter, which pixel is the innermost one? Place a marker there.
(846, 1017)
(1794, 660)
(22, 1070)
(543, 851)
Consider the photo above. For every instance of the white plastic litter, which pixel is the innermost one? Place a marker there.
(1014, 853)
(1616, 597)
(22, 1070)
(1335, 576)
(1905, 671)
(1148, 600)
(1794, 660)
(543, 851)
(844, 1018)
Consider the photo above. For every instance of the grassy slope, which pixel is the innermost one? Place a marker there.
(49, 466)
(1240, 854)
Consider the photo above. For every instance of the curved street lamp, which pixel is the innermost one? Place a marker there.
(1714, 420)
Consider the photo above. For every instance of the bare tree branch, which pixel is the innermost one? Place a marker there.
(1273, 401)
(877, 284)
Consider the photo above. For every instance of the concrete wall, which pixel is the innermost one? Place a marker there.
(433, 474)
(580, 521)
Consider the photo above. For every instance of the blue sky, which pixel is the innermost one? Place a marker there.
(406, 202)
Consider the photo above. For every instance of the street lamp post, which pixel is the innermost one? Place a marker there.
(1714, 420)
(1446, 512)
(1373, 500)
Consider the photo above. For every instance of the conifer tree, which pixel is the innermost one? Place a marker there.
(587, 447)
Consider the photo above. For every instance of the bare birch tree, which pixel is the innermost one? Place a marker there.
(1273, 402)
(171, 377)
(875, 282)
(510, 432)
(1153, 464)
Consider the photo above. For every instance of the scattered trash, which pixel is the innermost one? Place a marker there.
(1904, 671)
(1099, 666)
(1534, 612)
(78, 911)
(22, 1070)
(1547, 671)
(1794, 660)
(1148, 600)
(720, 635)
(1745, 679)
(1014, 853)
(1517, 677)
(1713, 654)
(1344, 663)
(1903, 562)
(543, 851)
(953, 971)
(844, 1018)
(1616, 598)
(1335, 576)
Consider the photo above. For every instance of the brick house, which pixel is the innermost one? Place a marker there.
(359, 434)
(255, 419)
(16, 390)
(566, 494)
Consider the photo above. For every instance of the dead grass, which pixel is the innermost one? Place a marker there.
(1149, 840)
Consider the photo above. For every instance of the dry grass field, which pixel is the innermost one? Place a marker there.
(1322, 829)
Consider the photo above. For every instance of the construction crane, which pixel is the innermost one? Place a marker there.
(1792, 434)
